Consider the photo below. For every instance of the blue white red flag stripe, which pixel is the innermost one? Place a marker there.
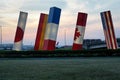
(52, 28)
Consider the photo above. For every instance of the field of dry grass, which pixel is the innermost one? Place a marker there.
(93, 68)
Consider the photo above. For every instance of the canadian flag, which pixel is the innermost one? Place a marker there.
(79, 34)
(79, 31)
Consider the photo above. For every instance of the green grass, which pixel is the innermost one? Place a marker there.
(93, 68)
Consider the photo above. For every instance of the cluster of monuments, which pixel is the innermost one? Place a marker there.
(48, 28)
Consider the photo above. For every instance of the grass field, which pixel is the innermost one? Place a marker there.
(93, 68)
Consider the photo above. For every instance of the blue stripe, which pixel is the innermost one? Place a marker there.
(54, 15)
(103, 20)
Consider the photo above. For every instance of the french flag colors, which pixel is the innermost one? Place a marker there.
(20, 31)
(52, 28)
(108, 30)
(79, 31)
(41, 32)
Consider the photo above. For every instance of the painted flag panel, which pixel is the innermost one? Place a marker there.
(52, 28)
(105, 29)
(79, 31)
(109, 30)
(41, 32)
(20, 31)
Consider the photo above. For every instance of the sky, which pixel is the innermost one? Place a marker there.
(9, 14)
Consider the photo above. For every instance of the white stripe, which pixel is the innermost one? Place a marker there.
(51, 31)
(79, 40)
(17, 46)
(22, 20)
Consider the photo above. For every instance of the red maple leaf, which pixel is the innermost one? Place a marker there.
(77, 34)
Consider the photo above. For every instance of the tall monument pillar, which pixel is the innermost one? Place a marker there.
(108, 29)
(18, 41)
(52, 28)
(79, 31)
(41, 32)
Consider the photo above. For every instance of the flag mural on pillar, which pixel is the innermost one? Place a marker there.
(41, 32)
(18, 41)
(52, 28)
(79, 31)
(108, 29)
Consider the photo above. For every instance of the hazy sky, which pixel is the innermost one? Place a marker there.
(9, 13)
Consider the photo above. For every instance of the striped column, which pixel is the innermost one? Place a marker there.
(52, 28)
(41, 32)
(20, 31)
(108, 29)
(79, 31)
